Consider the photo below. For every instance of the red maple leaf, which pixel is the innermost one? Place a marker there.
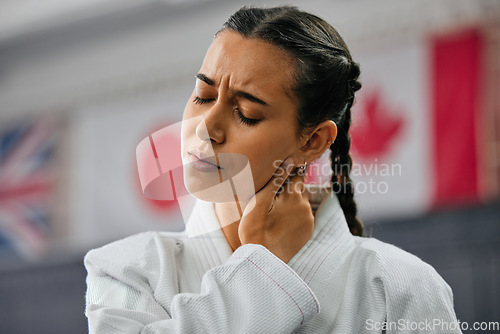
(374, 128)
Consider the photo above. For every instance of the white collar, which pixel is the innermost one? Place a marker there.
(330, 238)
(330, 232)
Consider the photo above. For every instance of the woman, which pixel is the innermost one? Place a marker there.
(276, 87)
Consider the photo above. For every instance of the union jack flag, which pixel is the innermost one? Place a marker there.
(27, 163)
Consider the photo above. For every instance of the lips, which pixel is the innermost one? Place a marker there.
(203, 158)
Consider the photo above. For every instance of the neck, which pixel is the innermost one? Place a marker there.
(229, 215)
(229, 219)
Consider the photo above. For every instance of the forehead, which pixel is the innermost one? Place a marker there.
(249, 62)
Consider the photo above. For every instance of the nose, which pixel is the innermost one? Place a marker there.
(211, 129)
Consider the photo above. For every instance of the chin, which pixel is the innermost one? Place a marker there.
(204, 186)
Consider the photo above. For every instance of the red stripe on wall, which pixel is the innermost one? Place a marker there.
(456, 62)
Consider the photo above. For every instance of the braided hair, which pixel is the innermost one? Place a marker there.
(326, 79)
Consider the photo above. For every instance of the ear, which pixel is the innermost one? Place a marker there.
(317, 142)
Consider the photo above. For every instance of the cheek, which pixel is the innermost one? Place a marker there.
(266, 155)
(188, 109)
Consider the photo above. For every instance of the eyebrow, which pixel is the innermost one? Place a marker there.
(239, 93)
(205, 79)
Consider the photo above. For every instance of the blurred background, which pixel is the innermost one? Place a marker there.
(83, 82)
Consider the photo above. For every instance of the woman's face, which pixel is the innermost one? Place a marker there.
(244, 93)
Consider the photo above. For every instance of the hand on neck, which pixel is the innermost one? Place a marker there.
(229, 216)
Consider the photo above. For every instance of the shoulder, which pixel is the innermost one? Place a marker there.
(407, 282)
(130, 273)
(397, 269)
(147, 250)
(388, 257)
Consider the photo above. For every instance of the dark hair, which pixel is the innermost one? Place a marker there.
(326, 79)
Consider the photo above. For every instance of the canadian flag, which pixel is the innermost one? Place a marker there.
(414, 129)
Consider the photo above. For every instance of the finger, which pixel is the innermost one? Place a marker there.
(295, 184)
(272, 187)
(305, 193)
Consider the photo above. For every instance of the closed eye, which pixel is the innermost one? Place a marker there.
(247, 121)
(241, 117)
(199, 100)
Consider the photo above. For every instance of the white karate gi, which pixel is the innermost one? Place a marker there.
(158, 282)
